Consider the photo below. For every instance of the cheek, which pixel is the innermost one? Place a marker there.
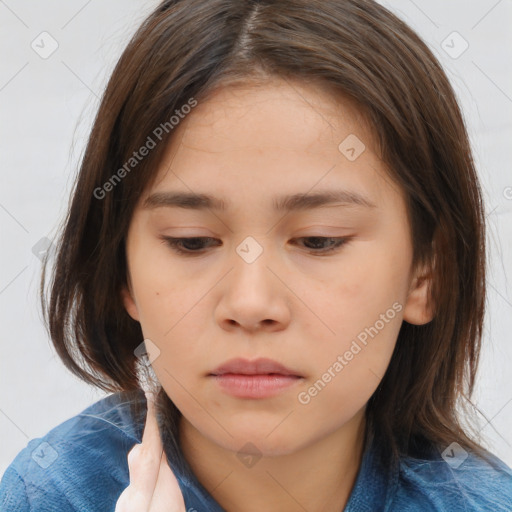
(353, 362)
(172, 312)
(365, 287)
(361, 311)
(348, 373)
(162, 296)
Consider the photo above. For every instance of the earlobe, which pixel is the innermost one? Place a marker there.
(418, 310)
(129, 303)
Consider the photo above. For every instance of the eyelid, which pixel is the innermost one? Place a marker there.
(173, 243)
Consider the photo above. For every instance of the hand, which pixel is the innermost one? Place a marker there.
(153, 486)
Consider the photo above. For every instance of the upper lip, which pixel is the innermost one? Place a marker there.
(260, 366)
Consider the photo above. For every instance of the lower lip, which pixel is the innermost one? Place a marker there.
(255, 386)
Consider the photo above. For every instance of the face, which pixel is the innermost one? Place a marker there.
(319, 287)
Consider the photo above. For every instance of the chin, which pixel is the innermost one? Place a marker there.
(259, 443)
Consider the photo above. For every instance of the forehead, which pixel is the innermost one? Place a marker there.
(248, 141)
(279, 114)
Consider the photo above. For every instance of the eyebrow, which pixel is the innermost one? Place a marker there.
(294, 202)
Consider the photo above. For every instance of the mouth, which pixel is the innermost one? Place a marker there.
(262, 366)
(262, 378)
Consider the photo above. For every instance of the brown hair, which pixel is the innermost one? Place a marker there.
(357, 48)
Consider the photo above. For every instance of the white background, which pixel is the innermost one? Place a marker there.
(46, 112)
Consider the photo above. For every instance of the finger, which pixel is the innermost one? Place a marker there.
(167, 496)
(132, 499)
(151, 437)
(144, 462)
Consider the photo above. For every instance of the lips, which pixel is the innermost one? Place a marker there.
(255, 380)
(262, 366)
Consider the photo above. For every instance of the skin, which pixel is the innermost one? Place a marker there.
(153, 485)
(246, 144)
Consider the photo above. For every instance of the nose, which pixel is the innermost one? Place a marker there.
(253, 297)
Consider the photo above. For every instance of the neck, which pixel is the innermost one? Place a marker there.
(318, 477)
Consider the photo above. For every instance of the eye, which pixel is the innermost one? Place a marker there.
(194, 246)
(334, 243)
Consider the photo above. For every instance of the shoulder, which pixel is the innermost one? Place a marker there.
(459, 481)
(78, 465)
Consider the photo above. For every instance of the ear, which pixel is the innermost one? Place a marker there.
(129, 302)
(417, 309)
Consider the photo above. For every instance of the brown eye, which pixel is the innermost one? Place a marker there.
(323, 245)
(188, 246)
(196, 245)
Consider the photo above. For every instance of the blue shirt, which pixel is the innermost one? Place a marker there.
(81, 465)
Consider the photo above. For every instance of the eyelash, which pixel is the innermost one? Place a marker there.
(174, 244)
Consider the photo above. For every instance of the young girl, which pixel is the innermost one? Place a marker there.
(278, 230)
